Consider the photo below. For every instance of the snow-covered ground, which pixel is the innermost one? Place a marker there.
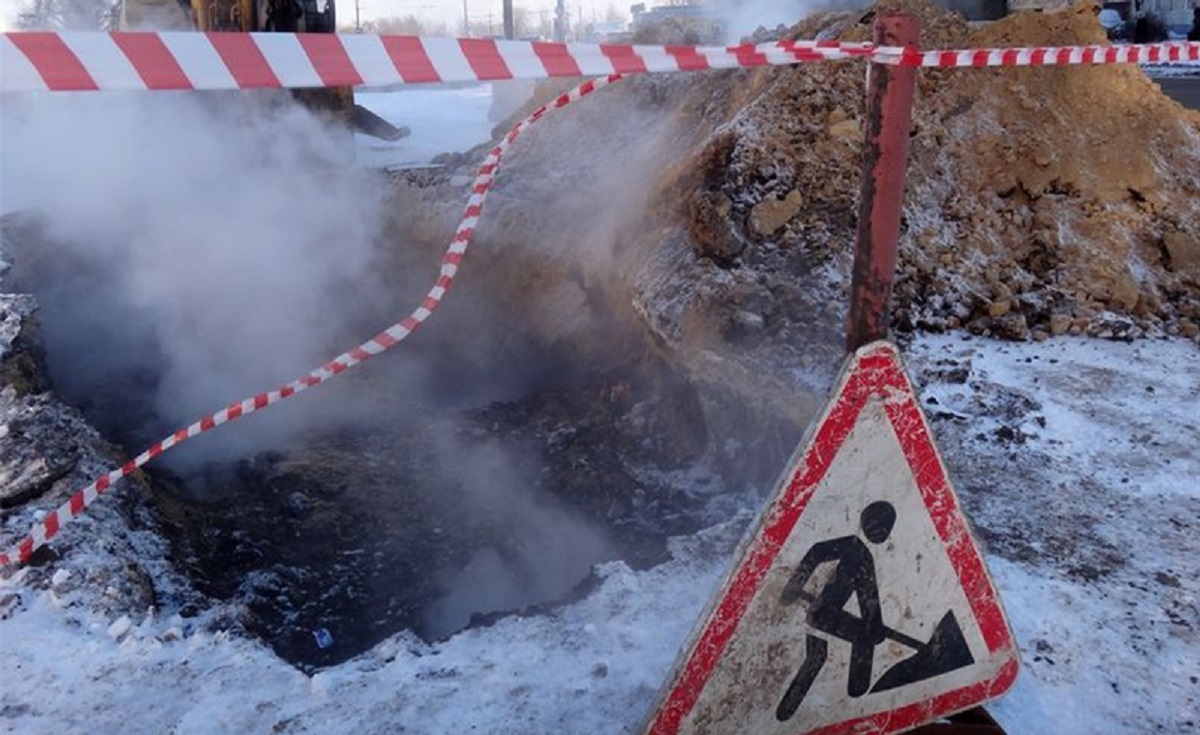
(1078, 461)
(1076, 458)
(423, 110)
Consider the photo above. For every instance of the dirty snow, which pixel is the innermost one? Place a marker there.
(1175, 69)
(1165, 72)
(1077, 462)
(1071, 436)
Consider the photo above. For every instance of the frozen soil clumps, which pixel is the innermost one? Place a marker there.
(111, 559)
(1039, 201)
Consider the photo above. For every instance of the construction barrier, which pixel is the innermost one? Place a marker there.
(180, 60)
(158, 61)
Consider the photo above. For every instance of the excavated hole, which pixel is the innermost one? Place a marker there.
(432, 515)
(432, 527)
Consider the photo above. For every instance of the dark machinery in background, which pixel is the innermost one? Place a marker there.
(279, 16)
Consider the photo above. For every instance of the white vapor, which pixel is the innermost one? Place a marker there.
(742, 18)
(223, 244)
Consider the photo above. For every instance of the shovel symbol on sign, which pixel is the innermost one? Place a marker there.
(945, 651)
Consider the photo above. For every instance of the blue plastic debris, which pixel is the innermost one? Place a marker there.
(323, 637)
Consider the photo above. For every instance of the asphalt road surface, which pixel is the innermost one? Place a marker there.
(1184, 89)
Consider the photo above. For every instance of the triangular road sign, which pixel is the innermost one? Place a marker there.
(860, 604)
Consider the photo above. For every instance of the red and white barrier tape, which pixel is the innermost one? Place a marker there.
(110, 61)
(1044, 56)
(49, 526)
(32, 61)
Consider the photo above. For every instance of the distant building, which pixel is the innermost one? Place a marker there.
(1015, 5)
(1173, 12)
(676, 21)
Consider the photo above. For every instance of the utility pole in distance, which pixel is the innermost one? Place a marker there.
(509, 28)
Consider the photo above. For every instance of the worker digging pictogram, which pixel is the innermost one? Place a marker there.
(854, 577)
(860, 603)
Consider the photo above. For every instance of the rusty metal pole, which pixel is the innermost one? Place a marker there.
(885, 158)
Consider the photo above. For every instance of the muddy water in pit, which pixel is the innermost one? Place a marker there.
(445, 523)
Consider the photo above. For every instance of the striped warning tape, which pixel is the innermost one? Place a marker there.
(49, 526)
(1045, 56)
(113, 61)
(180, 60)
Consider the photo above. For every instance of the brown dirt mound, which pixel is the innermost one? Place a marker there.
(1039, 200)
(717, 212)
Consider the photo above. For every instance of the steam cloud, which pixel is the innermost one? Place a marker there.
(548, 550)
(214, 247)
(202, 252)
(743, 18)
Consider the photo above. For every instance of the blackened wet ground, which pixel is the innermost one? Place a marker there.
(441, 523)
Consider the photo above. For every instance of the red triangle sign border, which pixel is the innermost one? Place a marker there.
(875, 370)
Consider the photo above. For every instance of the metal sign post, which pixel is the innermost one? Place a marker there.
(885, 158)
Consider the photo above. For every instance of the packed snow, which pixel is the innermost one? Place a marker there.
(1175, 69)
(422, 109)
(1109, 432)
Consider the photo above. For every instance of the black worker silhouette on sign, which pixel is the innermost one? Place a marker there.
(854, 576)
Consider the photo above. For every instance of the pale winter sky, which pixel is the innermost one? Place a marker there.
(8, 14)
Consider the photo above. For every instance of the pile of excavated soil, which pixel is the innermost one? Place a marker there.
(717, 212)
(1039, 201)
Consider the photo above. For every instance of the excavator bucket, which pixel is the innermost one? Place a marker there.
(368, 123)
(337, 106)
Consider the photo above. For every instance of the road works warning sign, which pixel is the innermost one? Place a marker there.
(860, 604)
